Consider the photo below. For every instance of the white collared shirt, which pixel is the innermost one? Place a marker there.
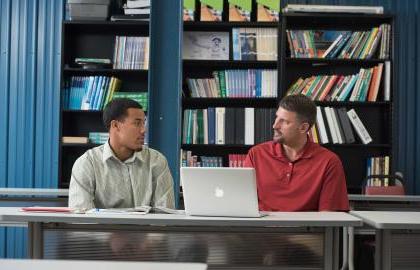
(100, 180)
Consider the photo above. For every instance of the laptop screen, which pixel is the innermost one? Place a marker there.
(219, 191)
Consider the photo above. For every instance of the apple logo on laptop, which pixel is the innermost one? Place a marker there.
(218, 192)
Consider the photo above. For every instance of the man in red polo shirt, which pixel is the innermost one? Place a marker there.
(293, 173)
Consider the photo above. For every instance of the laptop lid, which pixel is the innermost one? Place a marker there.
(218, 191)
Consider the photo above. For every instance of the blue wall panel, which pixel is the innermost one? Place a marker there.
(30, 57)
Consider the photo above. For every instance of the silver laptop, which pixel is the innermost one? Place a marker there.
(229, 192)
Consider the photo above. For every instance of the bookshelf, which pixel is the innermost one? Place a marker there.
(198, 69)
(377, 116)
(92, 39)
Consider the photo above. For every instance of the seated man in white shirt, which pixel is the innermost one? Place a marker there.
(122, 173)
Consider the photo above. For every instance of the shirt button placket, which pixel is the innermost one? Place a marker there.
(289, 172)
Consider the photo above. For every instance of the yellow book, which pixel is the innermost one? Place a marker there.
(386, 170)
(109, 92)
(369, 42)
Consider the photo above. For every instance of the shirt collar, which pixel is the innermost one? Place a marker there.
(307, 151)
(108, 153)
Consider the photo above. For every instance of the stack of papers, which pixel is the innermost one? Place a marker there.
(136, 210)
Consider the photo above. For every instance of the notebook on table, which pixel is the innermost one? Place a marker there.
(228, 192)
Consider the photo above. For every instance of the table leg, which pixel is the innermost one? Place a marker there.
(35, 240)
(378, 249)
(345, 249)
(331, 240)
(386, 255)
(351, 248)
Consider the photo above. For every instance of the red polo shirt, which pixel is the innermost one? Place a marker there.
(313, 182)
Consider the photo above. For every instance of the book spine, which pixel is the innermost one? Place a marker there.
(359, 127)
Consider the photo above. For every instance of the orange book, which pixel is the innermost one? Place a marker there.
(321, 84)
(376, 81)
(328, 88)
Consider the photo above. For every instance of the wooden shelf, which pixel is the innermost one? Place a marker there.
(104, 71)
(244, 64)
(229, 102)
(106, 23)
(353, 103)
(83, 111)
(241, 146)
(344, 145)
(227, 25)
(80, 145)
(215, 146)
(293, 60)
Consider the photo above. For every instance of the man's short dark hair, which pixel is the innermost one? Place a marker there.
(303, 106)
(117, 108)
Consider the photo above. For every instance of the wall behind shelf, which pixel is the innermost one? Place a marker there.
(29, 92)
(30, 50)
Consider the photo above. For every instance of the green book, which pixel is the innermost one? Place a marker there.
(140, 97)
(268, 10)
(240, 10)
(189, 10)
(188, 139)
(200, 129)
(211, 10)
(222, 82)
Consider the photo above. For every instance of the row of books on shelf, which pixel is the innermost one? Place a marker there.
(131, 53)
(190, 160)
(378, 166)
(337, 126)
(340, 44)
(235, 83)
(252, 44)
(89, 92)
(212, 10)
(240, 126)
(363, 86)
(94, 137)
(94, 92)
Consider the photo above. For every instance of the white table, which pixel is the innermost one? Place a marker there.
(20, 197)
(324, 225)
(384, 202)
(360, 202)
(397, 238)
(91, 265)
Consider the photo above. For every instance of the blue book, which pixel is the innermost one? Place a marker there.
(258, 83)
(235, 44)
(347, 90)
(211, 122)
(97, 92)
(93, 92)
(339, 46)
(102, 95)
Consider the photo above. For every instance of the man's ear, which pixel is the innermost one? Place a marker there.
(304, 127)
(114, 124)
